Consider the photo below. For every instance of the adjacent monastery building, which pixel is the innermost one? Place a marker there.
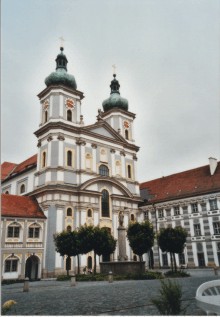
(190, 199)
(86, 174)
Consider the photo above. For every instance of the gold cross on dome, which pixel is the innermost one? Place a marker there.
(114, 69)
(61, 41)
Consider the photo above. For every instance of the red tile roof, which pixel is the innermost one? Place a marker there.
(9, 169)
(189, 183)
(6, 169)
(20, 206)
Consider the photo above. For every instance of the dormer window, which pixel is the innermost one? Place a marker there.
(22, 189)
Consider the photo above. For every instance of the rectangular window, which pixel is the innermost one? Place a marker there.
(11, 265)
(216, 227)
(13, 232)
(197, 229)
(213, 204)
(203, 206)
(182, 259)
(194, 207)
(176, 211)
(185, 209)
(146, 215)
(160, 213)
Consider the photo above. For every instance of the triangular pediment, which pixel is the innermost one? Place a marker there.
(103, 129)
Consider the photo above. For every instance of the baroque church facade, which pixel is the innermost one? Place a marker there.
(81, 174)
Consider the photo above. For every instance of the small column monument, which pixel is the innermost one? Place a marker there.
(121, 238)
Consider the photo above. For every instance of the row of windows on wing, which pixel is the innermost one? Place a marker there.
(22, 189)
(14, 230)
(194, 208)
(103, 169)
(105, 209)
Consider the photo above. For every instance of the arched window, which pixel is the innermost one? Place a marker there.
(69, 115)
(105, 203)
(22, 189)
(126, 134)
(11, 264)
(13, 230)
(89, 213)
(7, 192)
(132, 217)
(103, 170)
(68, 228)
(44, 156)
(45, 116)
(69, 158)
(129, 171)
(69, 212)
(34, 231)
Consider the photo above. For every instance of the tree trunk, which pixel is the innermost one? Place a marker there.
(78, 264)
(68, 259)
(94, 263)
(171, 259)
(175, 268)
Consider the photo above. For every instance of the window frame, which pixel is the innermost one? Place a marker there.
(103, 170)
(194, 208)
(213, 204)
(216, 227)
(35, 229)
(197, 231)
(69, 115)
(11, 265)
(105, 204)
(13, 231)
(176, 210)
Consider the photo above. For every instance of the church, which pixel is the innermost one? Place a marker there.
(81, 174)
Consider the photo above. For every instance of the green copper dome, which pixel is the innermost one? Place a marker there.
(115, 100)
(60, 76)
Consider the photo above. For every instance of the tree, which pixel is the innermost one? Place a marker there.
(172, 240)
(103, 243)
(141, 237)
(67, 243)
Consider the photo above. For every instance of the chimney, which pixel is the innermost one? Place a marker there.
(212, 165)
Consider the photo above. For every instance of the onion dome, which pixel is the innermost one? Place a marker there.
(60, 76)
(115, 100)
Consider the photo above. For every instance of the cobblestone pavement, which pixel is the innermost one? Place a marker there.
(98, 298)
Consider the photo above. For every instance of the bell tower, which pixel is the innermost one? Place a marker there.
(115, 112)
(60, 105)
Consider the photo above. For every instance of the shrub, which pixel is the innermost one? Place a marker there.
(176, 274)
(169, 301)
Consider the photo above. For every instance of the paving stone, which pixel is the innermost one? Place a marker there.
(98, 298)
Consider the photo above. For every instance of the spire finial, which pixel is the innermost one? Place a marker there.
(114, 69)
(61, 42)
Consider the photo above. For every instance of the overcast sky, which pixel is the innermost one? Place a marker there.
(167, 54)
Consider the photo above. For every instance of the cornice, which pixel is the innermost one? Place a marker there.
(64, 88)
(82, 130)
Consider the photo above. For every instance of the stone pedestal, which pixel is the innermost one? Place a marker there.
(122, 244)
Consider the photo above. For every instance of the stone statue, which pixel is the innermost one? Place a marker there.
(121, 218)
